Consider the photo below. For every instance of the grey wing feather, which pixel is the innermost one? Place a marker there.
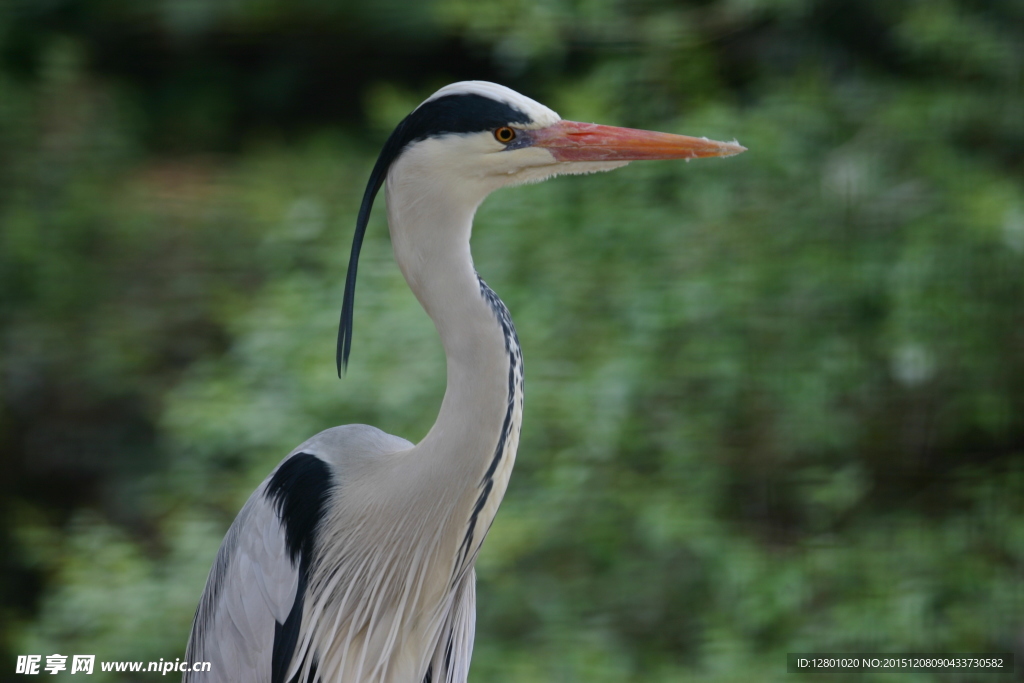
(250, 589)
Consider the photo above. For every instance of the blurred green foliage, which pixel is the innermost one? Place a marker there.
(774, 403)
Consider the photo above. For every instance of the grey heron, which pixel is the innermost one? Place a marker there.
(353, 562)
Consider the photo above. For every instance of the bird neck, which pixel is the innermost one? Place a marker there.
(477, 429)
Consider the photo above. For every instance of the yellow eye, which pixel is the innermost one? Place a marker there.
(504, 135)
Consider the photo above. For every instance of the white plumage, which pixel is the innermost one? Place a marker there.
(353, 561)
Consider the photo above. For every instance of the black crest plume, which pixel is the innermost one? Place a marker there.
(451, 114)
(380, 171)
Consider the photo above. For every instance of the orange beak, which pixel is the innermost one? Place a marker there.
(572, 141)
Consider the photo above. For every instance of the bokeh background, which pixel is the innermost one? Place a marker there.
(775, 403)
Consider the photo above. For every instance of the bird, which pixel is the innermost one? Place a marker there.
(353, 561)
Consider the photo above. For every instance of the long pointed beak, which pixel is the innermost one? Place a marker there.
(572, 141)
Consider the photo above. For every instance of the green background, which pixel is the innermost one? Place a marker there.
(774, 403)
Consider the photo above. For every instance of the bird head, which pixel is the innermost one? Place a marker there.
(473, 137)
(483, 136)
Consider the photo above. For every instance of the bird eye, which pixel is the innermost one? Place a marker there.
(504, 135)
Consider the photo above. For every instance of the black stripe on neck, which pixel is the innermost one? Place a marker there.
(515, 378)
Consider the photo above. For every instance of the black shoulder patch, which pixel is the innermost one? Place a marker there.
(464, 113)
(299, 491)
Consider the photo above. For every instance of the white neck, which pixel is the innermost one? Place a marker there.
(474, 439)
